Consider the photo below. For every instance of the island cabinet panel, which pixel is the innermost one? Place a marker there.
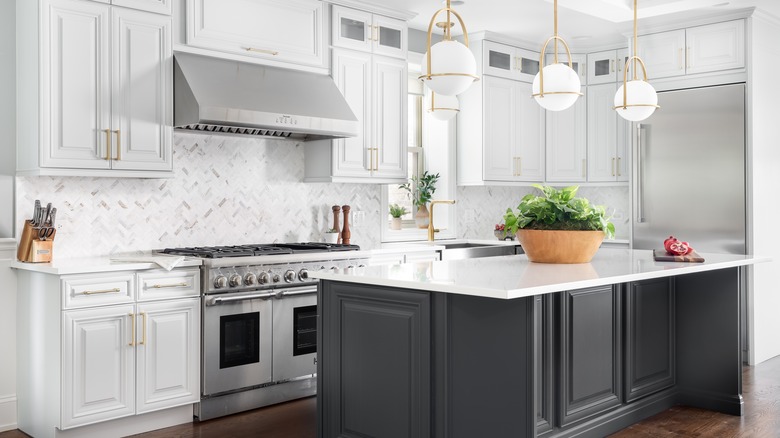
(375, 362)
(543, 363)
(590, 357)
(650, 347)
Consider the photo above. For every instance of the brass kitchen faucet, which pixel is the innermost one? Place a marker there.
(431, 231)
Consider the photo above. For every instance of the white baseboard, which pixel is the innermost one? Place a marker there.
(7, 413)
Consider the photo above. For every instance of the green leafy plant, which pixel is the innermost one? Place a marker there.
(331, 230)
(421, 188)
(558, 210)
(397, 210)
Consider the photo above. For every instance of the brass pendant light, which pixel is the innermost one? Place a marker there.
(635, 100)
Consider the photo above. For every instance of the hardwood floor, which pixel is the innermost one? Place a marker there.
(296, 419)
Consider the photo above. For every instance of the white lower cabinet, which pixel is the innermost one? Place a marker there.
(607, 136)
(93, 362)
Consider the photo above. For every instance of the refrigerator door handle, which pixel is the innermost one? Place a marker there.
(640, 216)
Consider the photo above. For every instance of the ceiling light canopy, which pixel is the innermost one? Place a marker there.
(449, 68)
(636, 99)
(556, 86)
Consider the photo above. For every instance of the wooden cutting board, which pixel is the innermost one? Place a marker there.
(661, 255)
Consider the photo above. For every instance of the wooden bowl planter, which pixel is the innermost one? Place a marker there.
(559, 246)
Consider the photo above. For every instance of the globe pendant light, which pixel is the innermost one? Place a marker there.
(450, 67)
(556, 86)
(443, 107)
(636, 99)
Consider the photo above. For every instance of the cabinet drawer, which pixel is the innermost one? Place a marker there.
(156, 285)
(98, 289)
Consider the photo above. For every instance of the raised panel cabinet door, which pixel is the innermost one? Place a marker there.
(623, 146)
(75, 85)
(98, 353)
(375, 361)
(390, 107)
(663, 54)
(500, 125)
(351, 29)
(282, 30)
(142, 70)
(715, 47)
(390, 37)
(529, 144)
(650, 334)
(543, 363)
(352, 74)
(158, 6)
(590, 353)
(567, 143)
(168, 354)
(602, 133)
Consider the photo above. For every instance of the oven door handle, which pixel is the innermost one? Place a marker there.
(298, 291)
(219, 300)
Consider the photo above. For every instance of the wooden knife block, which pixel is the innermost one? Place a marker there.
(33, 250)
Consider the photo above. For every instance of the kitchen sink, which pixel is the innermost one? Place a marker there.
(466, 250)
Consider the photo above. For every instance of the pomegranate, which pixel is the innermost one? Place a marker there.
(668, 242)
(678, 248)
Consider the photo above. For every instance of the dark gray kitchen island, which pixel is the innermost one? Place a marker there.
(502, 347)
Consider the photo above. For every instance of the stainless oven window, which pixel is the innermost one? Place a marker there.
(304, 330)
(239, 342)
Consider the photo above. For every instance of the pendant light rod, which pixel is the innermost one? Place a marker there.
(555, 31)
(635, 38)
(448, 28)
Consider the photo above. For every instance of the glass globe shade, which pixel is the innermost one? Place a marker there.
(450, 57)
(444, 107)
(558, 78)
(637, 92)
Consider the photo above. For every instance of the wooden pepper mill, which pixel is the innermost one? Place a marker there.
(336, 226)
(345, 233)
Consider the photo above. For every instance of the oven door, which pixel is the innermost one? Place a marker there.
(236, 341)
(295, 333)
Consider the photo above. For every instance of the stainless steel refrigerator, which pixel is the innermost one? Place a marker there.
(689, 176)
(689, 171)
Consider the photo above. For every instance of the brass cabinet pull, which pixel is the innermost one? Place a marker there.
(680, 59)
(618, 167)
(377, 159)
(687, 57)
(143, 329)
(267, 52)
(132, 334)
(108, 144)
(101, 291)
(612, 64)
(613, 166)
(118, 145)
(375, 31)
(162, 286)
(370, 159)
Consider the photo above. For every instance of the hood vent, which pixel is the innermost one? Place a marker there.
(219, 96)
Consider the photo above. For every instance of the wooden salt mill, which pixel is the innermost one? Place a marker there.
(345, 233)
(336, 226)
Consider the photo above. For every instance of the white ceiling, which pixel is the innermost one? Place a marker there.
(532, 20)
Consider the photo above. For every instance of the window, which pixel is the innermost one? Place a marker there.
(415, 168)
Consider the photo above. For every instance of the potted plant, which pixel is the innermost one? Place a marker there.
(396, 211)
(331, 235)
(557, 227)
(421, 192)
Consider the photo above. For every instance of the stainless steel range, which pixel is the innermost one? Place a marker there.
(259, 328)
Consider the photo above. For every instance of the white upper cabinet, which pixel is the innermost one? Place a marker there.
(353, 75)
(701, 49)
(607, 140)
(158, 6)
(367, 32)
(566, 143)
(509, 62)
(289, 31)
(390, 108)
(579, 63)
(104, 84)
(607, 66)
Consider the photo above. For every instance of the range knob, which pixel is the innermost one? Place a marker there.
(250, 279)
(276, 278)
(334, 268)
(263, 278)
(235, 280)
(303, 274)
(220, 281)
(289, 276)
(361, 266)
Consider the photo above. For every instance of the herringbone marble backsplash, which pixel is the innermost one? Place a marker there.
(227, 190)
(231, 190)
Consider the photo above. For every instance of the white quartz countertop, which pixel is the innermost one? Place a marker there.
(514, 276)
(84, 265)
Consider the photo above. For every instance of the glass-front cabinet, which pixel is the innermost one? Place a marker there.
(509, 62)
(367, 32)
(607, 66)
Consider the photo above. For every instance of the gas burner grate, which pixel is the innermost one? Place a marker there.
(267, 249)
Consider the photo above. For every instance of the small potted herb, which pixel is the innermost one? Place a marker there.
(396, 211)
(421, 191)
(331, 235)
(557, 227)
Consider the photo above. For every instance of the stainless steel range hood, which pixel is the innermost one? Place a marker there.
(219, 96)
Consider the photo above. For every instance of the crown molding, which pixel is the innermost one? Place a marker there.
(375, 8)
